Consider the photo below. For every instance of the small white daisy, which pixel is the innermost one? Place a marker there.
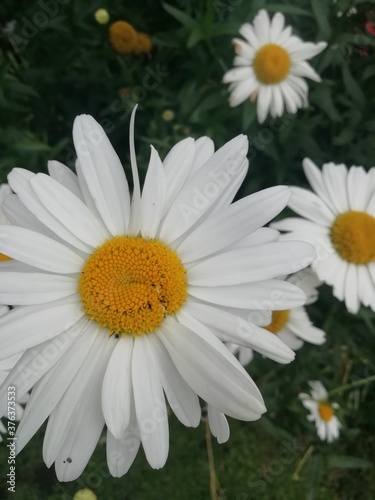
(322, 412)
(339, 220)
(271, 67)
(115, 295)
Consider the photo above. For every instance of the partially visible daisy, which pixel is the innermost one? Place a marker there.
(123, 37)
(5, 366)
(291, 326)
(270, 67)
(339, 220)
(322, 412)
(116, 294)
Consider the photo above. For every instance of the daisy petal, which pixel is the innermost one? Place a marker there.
(153, 196)
(218, 424)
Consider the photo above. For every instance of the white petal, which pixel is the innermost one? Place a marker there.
(150, 403)
(308, 50)
(211, 370)
(264, 295)
(218, 424)
(27, 326)
(103, 173)
(351, 289)
(122, 452)
(34, 288)
(37, 361)
(315, 178)
(237, 74)
(335, 180)
(264, 102)
(304, 69)
(357, 187)
(203, 189)
(233, 328)
(290, 339)
(233, 223)
(69, 210)
(243, 91)
(117, 391)
(308, 205)
(66, 177)
(256, 263)
(86, 424)
(177, 165)
(247, 31)
(277, 26)
(181, 398)
(38, 250)
(49, 390)
(205, 148)
(153, 196)
(261, 25)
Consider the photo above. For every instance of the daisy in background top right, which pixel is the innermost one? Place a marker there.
(339, 220)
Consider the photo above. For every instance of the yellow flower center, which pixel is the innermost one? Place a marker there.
(123, 37)
(4, 257)
(271, 63)
(144, 44)
(325, 411)
(353, 236)
(129, 284)
(279, 320)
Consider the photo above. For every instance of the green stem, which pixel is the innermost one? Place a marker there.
(357, 383)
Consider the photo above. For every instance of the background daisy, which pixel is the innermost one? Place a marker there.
(322, 412)
(339, 220)
(270, 67)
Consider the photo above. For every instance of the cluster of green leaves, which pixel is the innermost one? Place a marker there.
(56, 62)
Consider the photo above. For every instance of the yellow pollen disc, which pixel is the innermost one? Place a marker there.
(4, 257)
(353, 236)
(279, 320)
(129, 284)
(325, 411)
(271, 63)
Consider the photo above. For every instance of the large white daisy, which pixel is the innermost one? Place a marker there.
(270, 66)
(115, 293)
(322, 412)
(339, 220)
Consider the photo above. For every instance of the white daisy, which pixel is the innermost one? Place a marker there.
(115, 292)
(5, 366)
(339, 220)
(270, 67)
(322, 412)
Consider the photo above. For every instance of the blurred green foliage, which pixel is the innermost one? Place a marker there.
(56, 62)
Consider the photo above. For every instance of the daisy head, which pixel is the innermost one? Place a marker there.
(322, 412)
(270, 67)
(339, 220)
(122, 295)
(293, 326)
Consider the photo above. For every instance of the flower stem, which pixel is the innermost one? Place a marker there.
(357, 383)
(211, 465)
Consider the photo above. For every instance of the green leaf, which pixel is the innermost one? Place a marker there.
(195, 37)
(183, 18)
(288, 9)
(320, 9)
(348, 462)
(352, 87)
(314, 471)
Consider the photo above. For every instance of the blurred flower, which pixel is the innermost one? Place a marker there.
(272, 64)
(5, 366)
(370, 28)
(125, 289)
(322, 412)
(123, 37)
(124, 91)
(85, 494)
(168, 115)
(144, 44)
(101, 16)
(339, 220)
